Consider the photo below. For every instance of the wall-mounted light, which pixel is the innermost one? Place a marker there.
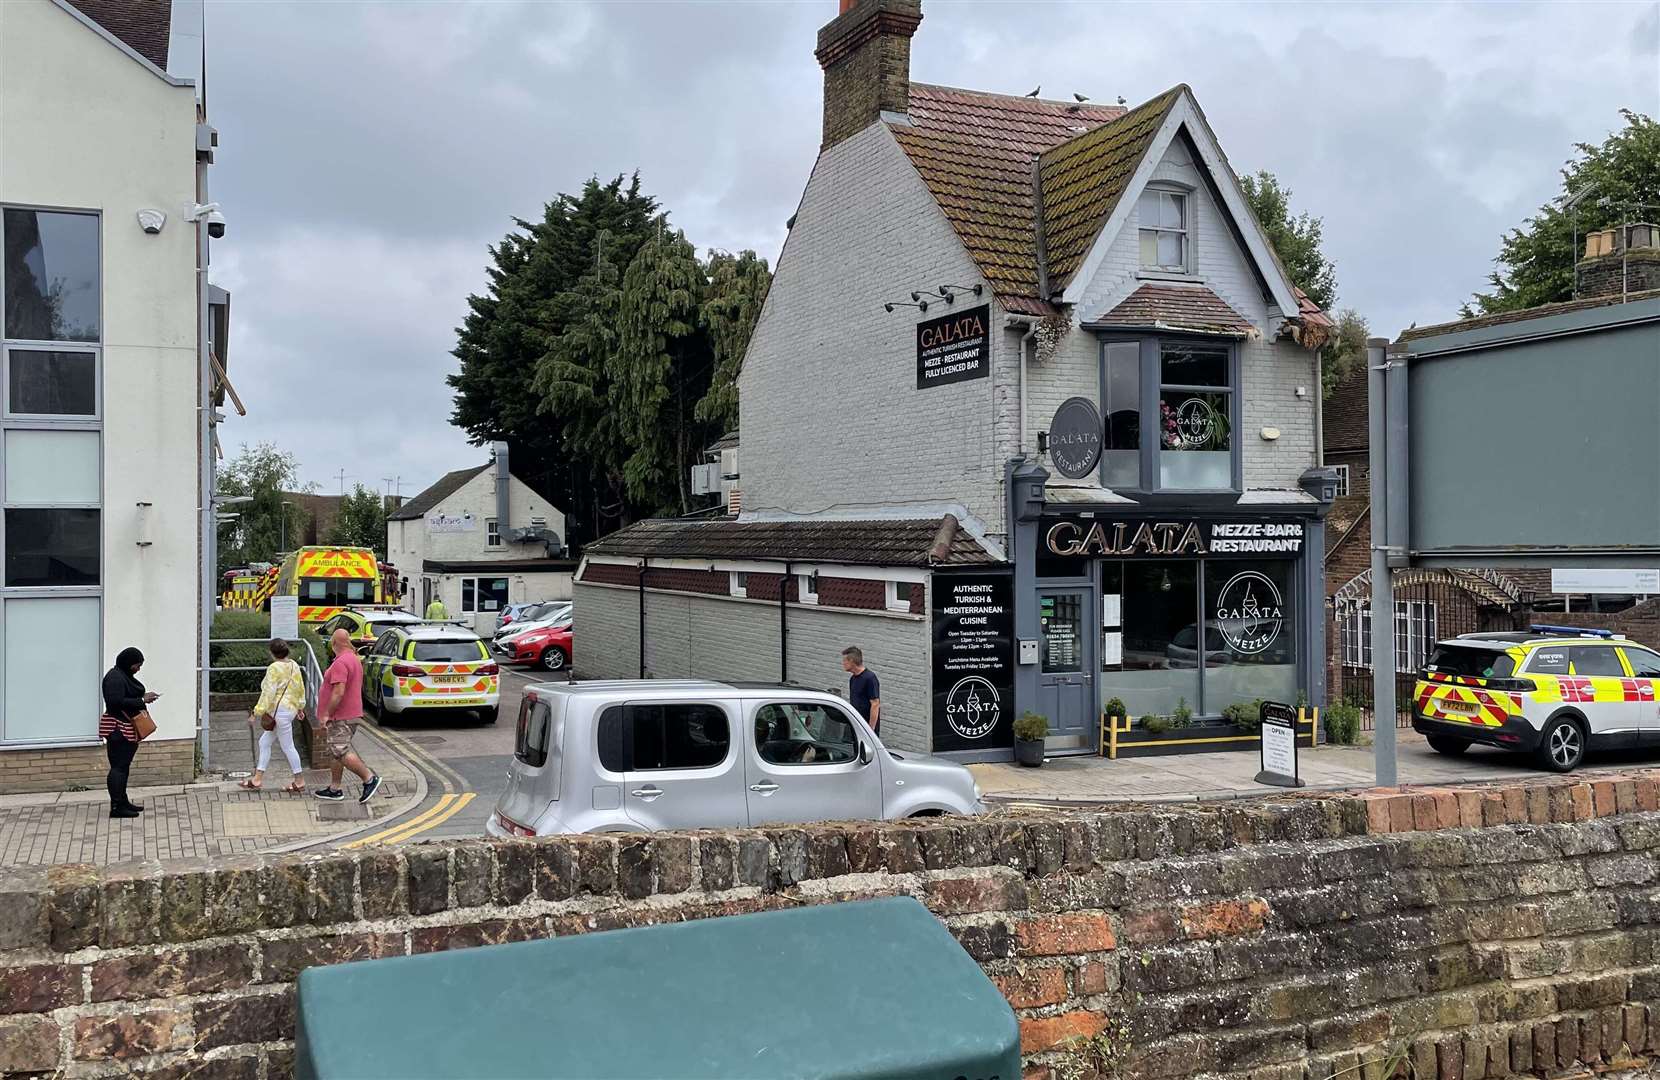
(920, 305)
(143, 523)
(947, 291)
(918, 294)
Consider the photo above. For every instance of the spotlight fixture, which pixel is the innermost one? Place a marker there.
(945, 290)
(919, 294)
(920, 305)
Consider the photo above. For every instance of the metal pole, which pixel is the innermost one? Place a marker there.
(1383, 592)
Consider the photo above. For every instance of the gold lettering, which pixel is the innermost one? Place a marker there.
(1095, 542)
(1070, 547)
(1166, 532)
(1142, 541)
(1192, 542)
(1118, 538)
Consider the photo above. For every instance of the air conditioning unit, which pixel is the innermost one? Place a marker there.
(706, 479)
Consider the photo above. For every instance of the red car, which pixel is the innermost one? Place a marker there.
(549, 648)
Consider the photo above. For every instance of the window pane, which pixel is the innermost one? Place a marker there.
(806, 734)
(1549, 661)
(1147, 208)
(1645, 664)
(51, 547)
(51, 467)
(1172, 210)
(1061, 622)
(1465, 662)
(679, 736)
(1195, 421)
(459, 651)
(492, 594)
(1161, 658)
(1173, 250)
(1187, 365)
(52, 383)
(1250, 633)
(468, 589)
(1597, 660)
(1149, 248)
(51, 669)
(51, 275)
(1123, 404)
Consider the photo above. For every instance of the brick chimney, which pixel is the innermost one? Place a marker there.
(1619, 261)
(866, 55)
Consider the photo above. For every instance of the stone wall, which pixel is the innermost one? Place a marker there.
(1483, 932)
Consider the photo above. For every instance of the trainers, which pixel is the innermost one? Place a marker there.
(331, 794)
(370, 788)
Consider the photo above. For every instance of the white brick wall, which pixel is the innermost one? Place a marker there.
(408, 542)
(718, 638)
(830, 413)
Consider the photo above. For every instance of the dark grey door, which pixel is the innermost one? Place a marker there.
(1066, 680)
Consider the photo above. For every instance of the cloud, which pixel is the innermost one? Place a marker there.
(370, 153)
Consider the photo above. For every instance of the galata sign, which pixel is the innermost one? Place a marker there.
(1102, 538)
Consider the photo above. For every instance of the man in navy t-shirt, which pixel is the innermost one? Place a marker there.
(863, 689)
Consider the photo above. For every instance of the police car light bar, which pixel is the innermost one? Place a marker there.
(1571, 631)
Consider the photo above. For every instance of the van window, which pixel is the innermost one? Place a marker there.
(336, 592)
(1551, 660)
(531, 746)
(463, 651)
(1644, 664)
(1471, 663)
(672, 735)
(1597, 660)
(804, 734)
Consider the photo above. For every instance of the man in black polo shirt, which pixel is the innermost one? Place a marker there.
(863, 689)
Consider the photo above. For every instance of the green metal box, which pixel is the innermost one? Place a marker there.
(855, 991)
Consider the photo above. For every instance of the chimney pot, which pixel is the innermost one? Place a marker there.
(1619, 261)
(865, 52)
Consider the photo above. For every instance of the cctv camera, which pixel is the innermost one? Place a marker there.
(216, 224)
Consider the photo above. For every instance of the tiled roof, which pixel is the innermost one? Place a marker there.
(1540, 312)
(447, 485)
(143, 25)
(852, 543)
(975, 152)
(1083, 178)
(1176, 307)
(1344, 413)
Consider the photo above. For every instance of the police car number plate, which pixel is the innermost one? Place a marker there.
(450, 678)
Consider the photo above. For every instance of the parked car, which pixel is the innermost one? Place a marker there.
(431, 666)
(513, 613)
(367, 624)
(550, 647)
(631, 756)
(542, 615)
(1554, 691)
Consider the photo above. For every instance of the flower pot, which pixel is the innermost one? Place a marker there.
(1028, 752)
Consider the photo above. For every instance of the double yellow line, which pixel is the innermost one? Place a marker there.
(449, 803)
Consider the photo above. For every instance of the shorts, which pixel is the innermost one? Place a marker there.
(337, 736)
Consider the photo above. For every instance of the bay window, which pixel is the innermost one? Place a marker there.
(1171, 411)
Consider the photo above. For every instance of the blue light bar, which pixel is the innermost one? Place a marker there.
(1571, 631)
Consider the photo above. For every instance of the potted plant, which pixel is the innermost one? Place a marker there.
(1183, 716)
(1154, 724)
(1117, 713)
(1029, 732)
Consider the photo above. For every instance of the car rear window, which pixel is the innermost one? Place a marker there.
(634, 738)
(1471, 663)
(460, 651)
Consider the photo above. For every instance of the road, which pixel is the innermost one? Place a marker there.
(465, 763)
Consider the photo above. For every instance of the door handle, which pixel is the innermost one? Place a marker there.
(765, 788)
(646, 793)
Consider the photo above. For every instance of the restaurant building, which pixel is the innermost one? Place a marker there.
(1037, 367)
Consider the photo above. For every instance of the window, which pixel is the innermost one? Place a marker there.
(1342, 480)
(42, 382)
(492, 533)
(637, 738)
(1549, 661)
(1195, 417)
(807, 588)
(46, 548)
(1415, 634)
(739, 583)
(1598, 660)
(449, 651)
(901, 593)
(1468, 663)
(483, 595)
(54, 640)
(538, 523)
(804, 734)
(1644, 664)
(1121, 397)
(1163, 220)
(387, 644)
(336, 592)
(531, 744)
(52, 290)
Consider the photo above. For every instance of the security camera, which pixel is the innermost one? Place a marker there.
(209, 212)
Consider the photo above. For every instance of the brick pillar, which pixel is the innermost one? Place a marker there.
(866, 55)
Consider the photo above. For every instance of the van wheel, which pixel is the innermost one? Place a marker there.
(1450, 747)
(553, 658)
(1562, 747)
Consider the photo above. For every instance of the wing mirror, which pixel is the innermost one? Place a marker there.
(865, 756)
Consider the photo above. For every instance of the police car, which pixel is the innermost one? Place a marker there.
(367, 624)
(1554, 692)
(431, 666)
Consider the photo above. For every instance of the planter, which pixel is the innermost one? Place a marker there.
(1206, 736)
(1028, 752)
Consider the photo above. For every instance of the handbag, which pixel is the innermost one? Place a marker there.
(143, 726)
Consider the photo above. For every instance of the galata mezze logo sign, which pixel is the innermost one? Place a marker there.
(1088, 538)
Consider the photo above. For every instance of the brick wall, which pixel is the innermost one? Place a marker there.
(1640, 622)
(1487, 932)
(1614, 275)
(166, 761)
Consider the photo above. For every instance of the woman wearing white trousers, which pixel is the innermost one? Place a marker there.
(281, 695)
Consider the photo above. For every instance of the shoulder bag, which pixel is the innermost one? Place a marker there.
(143, 726)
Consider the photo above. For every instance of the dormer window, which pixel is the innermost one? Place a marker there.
(1164, 224)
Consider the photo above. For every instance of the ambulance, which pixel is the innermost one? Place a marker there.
(327, 579)
(1553, 692)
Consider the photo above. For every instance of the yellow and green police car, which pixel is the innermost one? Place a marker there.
(431, 666)
(367, 624)
(1554, 692)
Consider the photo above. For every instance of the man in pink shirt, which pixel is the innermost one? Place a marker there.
(339, 708)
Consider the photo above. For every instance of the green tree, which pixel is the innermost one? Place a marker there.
(361, 521)
(1296, 239)
(1620, 180)
(1345, 351)
(261, 473)
(660, 369)
(738, 287)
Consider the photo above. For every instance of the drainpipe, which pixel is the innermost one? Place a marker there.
(1031, 324)
(204, 415)
(643, 563)
(784, 627)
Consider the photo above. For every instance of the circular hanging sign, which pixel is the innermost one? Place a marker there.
(1075, 438)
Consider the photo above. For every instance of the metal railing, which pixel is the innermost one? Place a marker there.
(311, 670)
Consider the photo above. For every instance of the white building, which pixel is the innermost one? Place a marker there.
(479, 539)
(102, 165)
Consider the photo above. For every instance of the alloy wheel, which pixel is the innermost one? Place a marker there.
(1565, 745)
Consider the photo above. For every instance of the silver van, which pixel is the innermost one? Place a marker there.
(629, 756)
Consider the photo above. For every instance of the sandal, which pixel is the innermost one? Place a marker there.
(251, 786)
(296, 788)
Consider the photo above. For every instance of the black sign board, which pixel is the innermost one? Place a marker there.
(954, 348)
(973, 619)
(1075, 438)
(1279, 746)
(1171, 537)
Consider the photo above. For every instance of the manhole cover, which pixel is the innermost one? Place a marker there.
(426, 740)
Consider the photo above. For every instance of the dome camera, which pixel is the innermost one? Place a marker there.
(210, 213)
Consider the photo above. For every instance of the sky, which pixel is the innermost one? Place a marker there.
(370, 153)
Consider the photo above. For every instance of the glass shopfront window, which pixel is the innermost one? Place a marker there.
(1158, 610)
(1251, 638)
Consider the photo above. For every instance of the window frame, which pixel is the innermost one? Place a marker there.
(1185, 193)
(70, 421)
(492, 533)
(737, 583)
(1342, 479)
(1416, 630)
(806, 588)
(473, 580)
(1152, 387)
(890, 595)
(839, 709)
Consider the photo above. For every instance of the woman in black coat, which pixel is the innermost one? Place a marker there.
(124, 698)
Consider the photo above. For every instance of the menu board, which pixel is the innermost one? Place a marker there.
(973, 627)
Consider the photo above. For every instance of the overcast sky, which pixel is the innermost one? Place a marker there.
(369, 153)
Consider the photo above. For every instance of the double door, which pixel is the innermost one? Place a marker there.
(1066, 679)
